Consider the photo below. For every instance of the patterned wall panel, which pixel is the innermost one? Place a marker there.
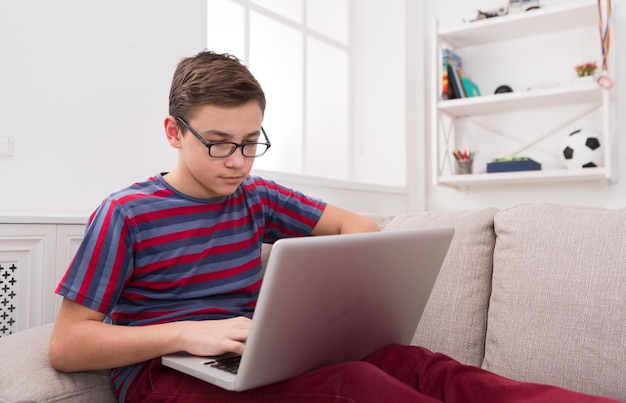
(8, 298)
(27, 255)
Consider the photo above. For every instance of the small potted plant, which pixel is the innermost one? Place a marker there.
(586, 71)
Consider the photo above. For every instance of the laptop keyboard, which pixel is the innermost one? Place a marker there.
(228, 364)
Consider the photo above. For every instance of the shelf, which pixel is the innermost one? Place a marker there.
(496, 103)
(544, 21)
(510, 178)
(570, 103)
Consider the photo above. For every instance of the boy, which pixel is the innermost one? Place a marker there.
(173, 264)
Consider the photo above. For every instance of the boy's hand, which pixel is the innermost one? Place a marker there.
(215, 337)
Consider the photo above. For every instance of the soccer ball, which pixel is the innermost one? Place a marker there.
(582, 149)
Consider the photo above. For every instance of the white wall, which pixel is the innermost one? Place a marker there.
(612, 195)
(83, 93)
(84, 90)
(379, 99)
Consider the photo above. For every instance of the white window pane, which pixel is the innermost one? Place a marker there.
(327, 123)
(226, 32)
(330, 18)
(276, 61)
(291, 9)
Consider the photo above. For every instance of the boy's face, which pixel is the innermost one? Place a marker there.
(201, 175)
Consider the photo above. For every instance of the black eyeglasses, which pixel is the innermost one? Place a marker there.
(223, 149)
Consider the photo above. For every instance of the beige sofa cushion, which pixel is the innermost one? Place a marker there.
(557, 313)
(27, 376)
(455, 319)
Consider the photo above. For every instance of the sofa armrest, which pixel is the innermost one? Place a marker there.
(26, 374)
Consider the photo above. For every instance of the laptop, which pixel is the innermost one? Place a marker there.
(329, 299)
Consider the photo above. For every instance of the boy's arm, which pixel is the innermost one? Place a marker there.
(335, 220)
(81, 341)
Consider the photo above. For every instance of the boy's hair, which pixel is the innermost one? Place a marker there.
(211, 78)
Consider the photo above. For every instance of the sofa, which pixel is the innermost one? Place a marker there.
(534, 292)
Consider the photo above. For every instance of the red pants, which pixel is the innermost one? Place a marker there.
(393, 374)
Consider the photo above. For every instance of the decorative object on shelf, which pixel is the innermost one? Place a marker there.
(586, 69)
(605, 81)
(582, 149)
(512, 164)
(519, 6)
(585, 73)
(604, 24)
(496, 12)
(471, 89)
(464, 161)
(514, 6)
(503, 89)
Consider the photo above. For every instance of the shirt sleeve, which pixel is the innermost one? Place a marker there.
(288, 212)
(103, 261)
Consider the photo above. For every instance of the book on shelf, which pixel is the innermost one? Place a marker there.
(449, 58)
(455, 82)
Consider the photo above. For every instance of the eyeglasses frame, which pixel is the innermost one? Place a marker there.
(208, 144)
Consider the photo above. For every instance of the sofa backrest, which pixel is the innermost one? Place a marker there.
(557, 312)
(455, 319)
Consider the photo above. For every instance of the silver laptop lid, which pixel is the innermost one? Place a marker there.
(337, 298)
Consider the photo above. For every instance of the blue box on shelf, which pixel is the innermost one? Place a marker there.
(525, 164)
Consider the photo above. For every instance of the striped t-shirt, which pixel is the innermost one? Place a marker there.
(153, 255)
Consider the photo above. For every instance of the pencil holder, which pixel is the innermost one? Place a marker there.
(464, 166)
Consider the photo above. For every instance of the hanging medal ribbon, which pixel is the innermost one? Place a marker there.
(604, 24)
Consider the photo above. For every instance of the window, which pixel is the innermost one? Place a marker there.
(291, 46)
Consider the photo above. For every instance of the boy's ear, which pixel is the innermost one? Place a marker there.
(171, 131)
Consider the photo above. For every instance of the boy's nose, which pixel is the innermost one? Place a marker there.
(236, 159)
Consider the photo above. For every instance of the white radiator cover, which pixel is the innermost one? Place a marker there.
(33, 258)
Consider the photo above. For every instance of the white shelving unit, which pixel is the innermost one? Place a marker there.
(491, 31)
